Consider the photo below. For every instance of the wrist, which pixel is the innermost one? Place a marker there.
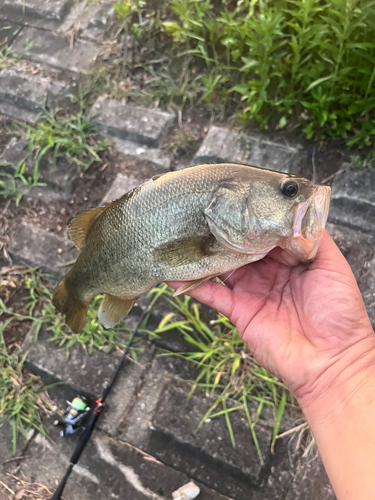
(340, 412)
(347, 378)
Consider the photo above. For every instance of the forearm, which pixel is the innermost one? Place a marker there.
(342, 419)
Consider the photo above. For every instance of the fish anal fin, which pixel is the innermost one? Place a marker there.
(187, 250)
(190, 285)
(74, 309)
(80, 226)
(113, 309)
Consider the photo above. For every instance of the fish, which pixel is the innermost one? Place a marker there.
(190, 225)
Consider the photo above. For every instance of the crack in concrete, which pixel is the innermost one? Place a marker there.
(39, 439)
(129, 474)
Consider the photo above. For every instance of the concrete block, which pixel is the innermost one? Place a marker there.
(87, 374)
(57, 177)
(212, 442)
(367, 286)
(21, 115)
(141, 152)
(353, 199)
(39, 248)
(95, 20)
(53, 50)
(310, 482)
(222, 145)
(40, 13)
(107, 469)
(8, 32)
(164, 424)
(134, 123)
(31, 93)
(121, 185)
(356, 246)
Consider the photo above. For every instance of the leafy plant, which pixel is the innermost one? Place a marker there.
(228, 371)
(125, 8)
(281, 63)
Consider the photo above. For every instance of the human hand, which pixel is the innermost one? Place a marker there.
(306, 324)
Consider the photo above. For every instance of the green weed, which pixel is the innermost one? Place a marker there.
(7, 57)
(42, 314)
(93, 336)
(15, 184)
(70, 137)
(228, 371)
(22, 396)
(169, 90)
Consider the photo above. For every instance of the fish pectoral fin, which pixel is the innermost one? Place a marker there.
(190, 285)
(80, 226)
(187, 250)
(113, 309)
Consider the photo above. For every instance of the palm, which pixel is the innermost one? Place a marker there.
(295, 320)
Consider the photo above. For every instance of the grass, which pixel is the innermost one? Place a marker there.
(16, 184)
(228, 373)
(22, 396)
(281, 64)
(7, 57)
(42, 314)
(57, 135)
(64, 136)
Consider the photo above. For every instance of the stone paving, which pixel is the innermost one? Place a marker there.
(146, 445)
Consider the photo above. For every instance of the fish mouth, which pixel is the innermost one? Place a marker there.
(309, 220)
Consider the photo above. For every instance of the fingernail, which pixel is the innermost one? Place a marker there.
(288, 259)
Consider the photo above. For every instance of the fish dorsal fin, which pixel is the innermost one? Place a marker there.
(112, 309)
(187, 250)
(156, 177)
(80, 226)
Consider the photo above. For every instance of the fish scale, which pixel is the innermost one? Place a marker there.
(188, 225)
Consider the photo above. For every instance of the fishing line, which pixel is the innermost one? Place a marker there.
(101, 401)
(227, 278)
(273, 289)
(280, 285)
(99, 405)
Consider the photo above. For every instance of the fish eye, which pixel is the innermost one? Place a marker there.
(289, 189)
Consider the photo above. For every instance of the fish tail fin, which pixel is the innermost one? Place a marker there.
(113, 309)
(67, 303)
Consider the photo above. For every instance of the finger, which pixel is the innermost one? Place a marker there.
(329, 256)
(282, 257)
(212, 294)
(231, 277)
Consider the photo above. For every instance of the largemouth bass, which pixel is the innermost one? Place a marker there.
(191, 226)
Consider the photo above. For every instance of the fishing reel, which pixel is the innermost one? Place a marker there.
(73, 417)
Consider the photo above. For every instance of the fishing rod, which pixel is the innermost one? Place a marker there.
(99, 406)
